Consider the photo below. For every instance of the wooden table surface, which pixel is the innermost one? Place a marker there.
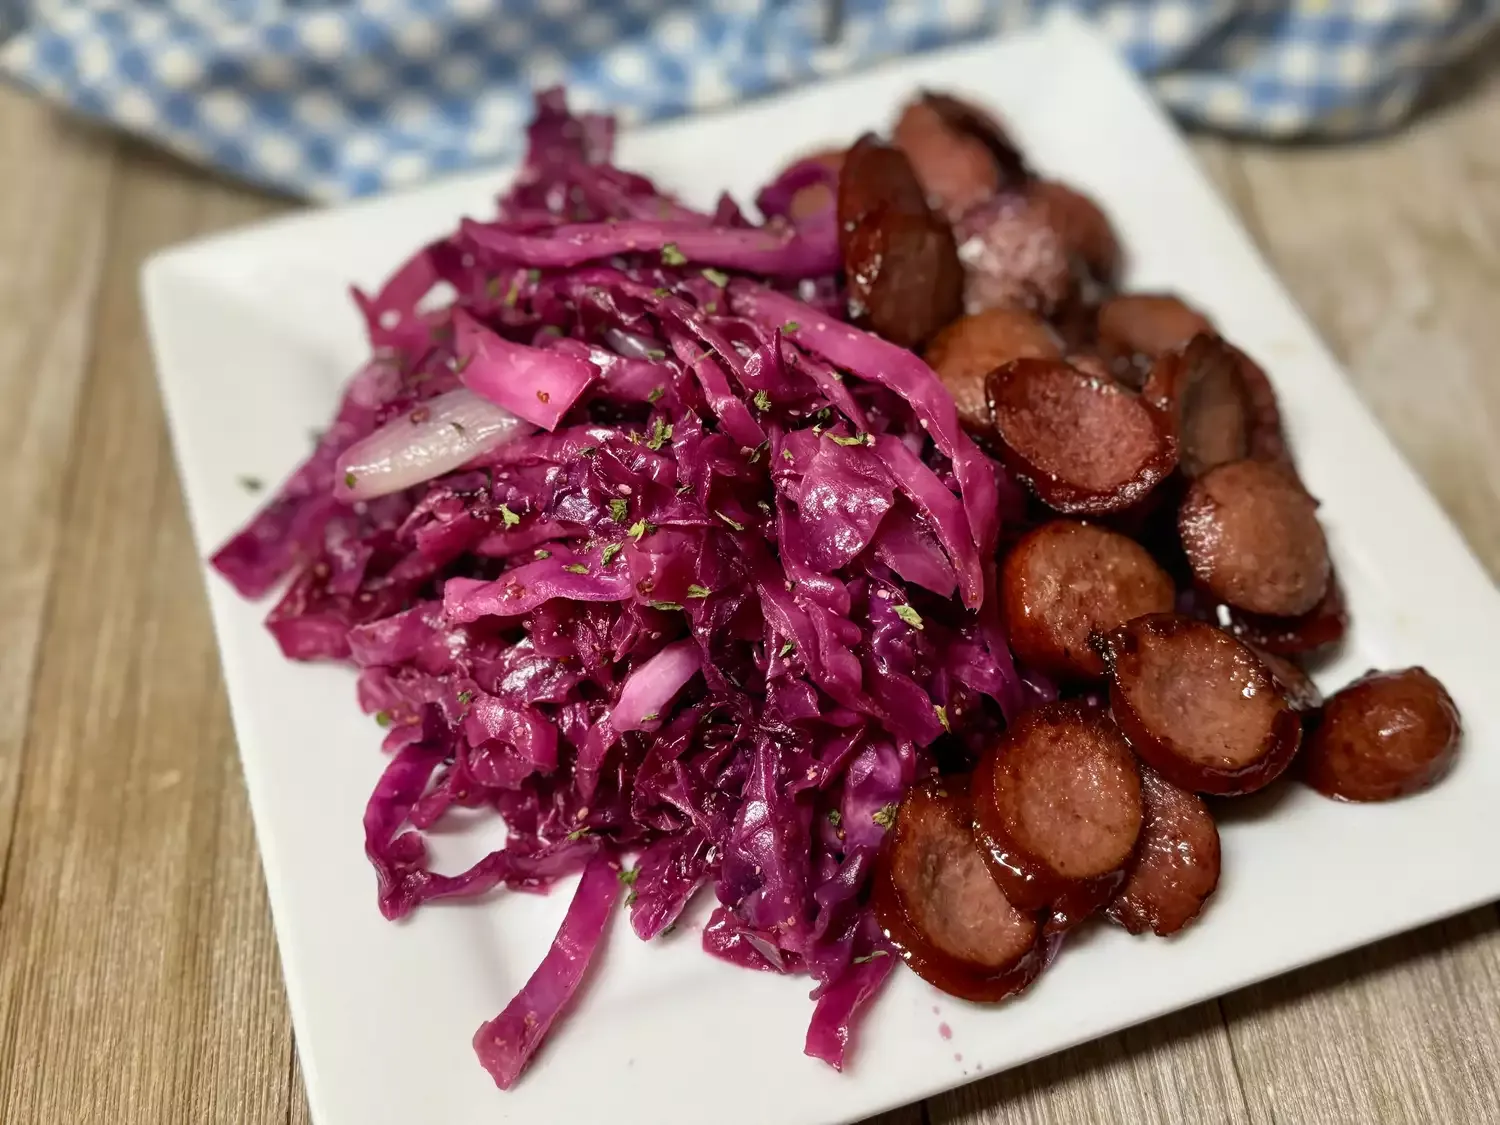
(139, 982)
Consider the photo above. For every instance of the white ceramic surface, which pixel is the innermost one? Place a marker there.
(254, 333)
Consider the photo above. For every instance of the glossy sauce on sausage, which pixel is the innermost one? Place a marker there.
(1385, 735)
(1252, 536)
(1063, 582)
(1083, 445)
(935, 899)
(966, 351)
(1198, 706)
(1176, 863)
(1136, 328)
(1057, 805)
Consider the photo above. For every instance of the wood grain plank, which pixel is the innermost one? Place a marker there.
(53, 198)
(138, 951)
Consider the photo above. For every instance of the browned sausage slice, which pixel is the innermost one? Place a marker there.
(1385, 735)
(960, 153)
(936, 901)
(1201, 387)
(1198, 706)
(902, 264)
(971, 347)
(1136, 328)
(1176, 864)
(1321, 626)
(1082, 226)
(1251, 534)
(1064, 581)
(1057, 804)
(1083, 445)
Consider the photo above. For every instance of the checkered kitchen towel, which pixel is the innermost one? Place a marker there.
(337, 98)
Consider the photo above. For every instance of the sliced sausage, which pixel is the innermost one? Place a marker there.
(1176, 864)
(1318, 628)
(1057, 804)
(1083, 228)
(1136, 328)
(971, 347)
(1198, 706)
(1298, 687)
(1202, 388)
(1064, 581)
(961, 154)
(1013, 257)
(1251, 534)
(1083, 445)
(1385, 735)
(935, 899)
(904, 277)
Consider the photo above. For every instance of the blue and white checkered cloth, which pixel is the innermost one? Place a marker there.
(338, 98)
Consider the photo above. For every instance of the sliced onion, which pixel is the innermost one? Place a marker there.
(645, 695)
(440, 435)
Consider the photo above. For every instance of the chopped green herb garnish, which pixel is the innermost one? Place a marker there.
(868, 957)
(835, 817)
(788, 648)
(252, 484)
(942, 714)
(577, 834)
(671, 256)
(886, 816)
(790, 326)
(661, 433)
(630, 898)
(666, 607)
(659, 292)
(610, 551)
(910, 616)
(640, 528)
(732, 523)
(466, 696)
(576, 568)
(383, 718)
(697, 591)
(349, 479)
(857, 439)
(514, 292)
(541, 553)
(655, 395)
(718, 277)
(762, 400)
(619, 509)
(510, 518)
(628, 876)
(650, 716)
(786, 455)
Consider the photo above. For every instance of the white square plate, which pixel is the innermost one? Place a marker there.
(254, 334)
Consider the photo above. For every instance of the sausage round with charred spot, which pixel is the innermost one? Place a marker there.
(1083, 445)
(1176, 863)
(1136, 328)
(967, 350)
(1251, 534)
(1385, 735)
(1063, 582)
(904, 277)
(935, 899)
(1057, 807)
(1198, 706)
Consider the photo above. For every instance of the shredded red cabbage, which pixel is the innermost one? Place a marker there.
(719, 612)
